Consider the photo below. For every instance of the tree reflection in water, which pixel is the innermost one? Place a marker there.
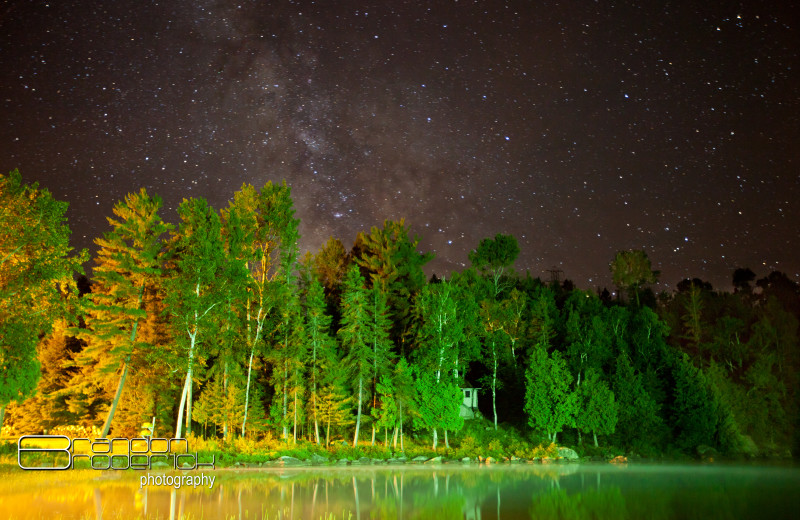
(417, 492)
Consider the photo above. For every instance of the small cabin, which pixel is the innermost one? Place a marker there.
(469, 404)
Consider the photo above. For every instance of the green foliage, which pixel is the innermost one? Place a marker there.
(36, 269)
(493, 256)
(638, 417)
(694, 412)
(242, 319)
(392, 262)
(437, 403)
(631, 269)
(597, 409)
(549, 400)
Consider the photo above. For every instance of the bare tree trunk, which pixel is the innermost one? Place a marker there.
(494, 386)
(225, 393)
(117, 394)
(179, 426)
(285, 398)
(189, 403)
(358, 416)
(121, 384)
(594, 434)
(247, 390)
(294, 427)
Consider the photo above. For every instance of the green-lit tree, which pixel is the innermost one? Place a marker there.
(321, 347)
(288, 356)
(439, 334)
(550, 402)
(379, 329)
(495, 341)
(36, 269)
(493, 257)
(385, 415)
(638, 412)
(262, 233)
(196, 288)
(544, 314)
(354, 336)
(631, 270)
(597, 409)
(694, 412)
(438, 404)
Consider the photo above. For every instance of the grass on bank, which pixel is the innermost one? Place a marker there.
(478, 438)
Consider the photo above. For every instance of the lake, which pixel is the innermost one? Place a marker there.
(447, 491)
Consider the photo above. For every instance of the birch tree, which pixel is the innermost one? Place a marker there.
(195, 289)
(440, 333)
(262, 223)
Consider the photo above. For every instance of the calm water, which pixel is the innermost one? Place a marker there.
(440, 492)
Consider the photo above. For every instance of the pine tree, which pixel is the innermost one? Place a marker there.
(354, 336)
(390, 257)
(128, 266)
(320, 345)
(378, 332)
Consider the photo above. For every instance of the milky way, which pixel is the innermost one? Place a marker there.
(580, 128)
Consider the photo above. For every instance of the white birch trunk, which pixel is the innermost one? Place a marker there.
(358, 416)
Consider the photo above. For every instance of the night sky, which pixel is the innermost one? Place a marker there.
(582, 128)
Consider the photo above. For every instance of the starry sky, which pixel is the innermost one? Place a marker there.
(580, 127)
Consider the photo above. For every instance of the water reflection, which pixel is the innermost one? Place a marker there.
(416, 492)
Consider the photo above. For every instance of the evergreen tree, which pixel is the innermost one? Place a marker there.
(694, 412)
(378, 336)
(638, 417)
(386, 414)
(128, 265)
(354, 335)
(392, 262)
(321, 347)
(287, 355)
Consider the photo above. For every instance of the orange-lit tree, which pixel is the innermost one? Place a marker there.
(36, 269)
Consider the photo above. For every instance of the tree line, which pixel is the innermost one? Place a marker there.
(218, 326)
